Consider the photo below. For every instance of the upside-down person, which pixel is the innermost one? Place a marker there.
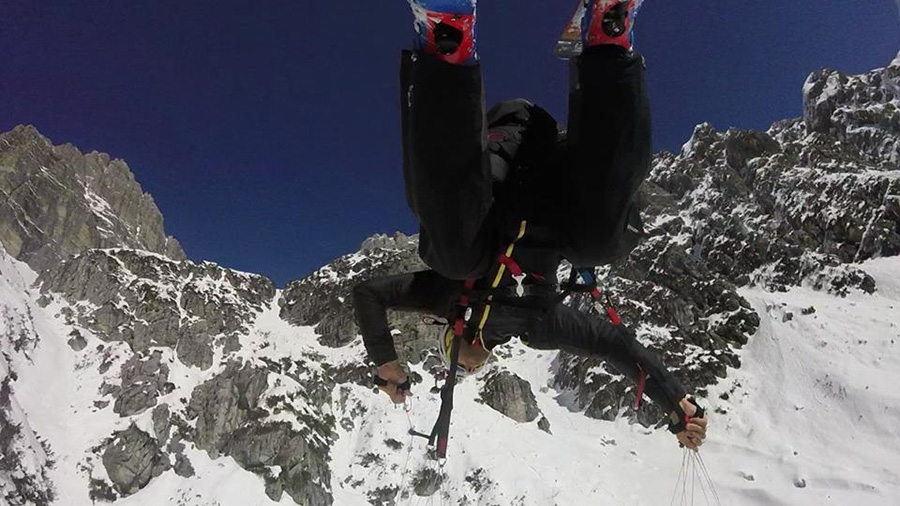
(503, 197)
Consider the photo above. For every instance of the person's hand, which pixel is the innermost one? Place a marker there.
(694, 434)
(395, 376)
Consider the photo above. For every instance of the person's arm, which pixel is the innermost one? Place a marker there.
(424, 291)
(589, 336)
(575, 332)
(633, 359)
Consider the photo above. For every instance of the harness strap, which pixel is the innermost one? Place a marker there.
(440, 434)
(509, 293)
(639, 395)
(590, 286)
(511, 264)
(486, 312)
(465, 312)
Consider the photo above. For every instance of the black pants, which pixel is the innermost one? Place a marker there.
(447, 170)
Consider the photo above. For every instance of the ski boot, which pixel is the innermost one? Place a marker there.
(609, 22)
(446, 29)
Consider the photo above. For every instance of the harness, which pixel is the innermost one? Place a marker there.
(440, 434)
(465, 327)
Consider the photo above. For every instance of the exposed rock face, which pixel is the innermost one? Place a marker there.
(76, 341)
(58, 202)
(24, 465)
(225, 403)
(324, 298)
(18, 486)
(231, 421)
(132, 458)
(860, 112)
(510, 395)
(304, 473)
(806, 197)
(148, 300)
(142, 382)
(793, 205)
(161, 422)
(183, 466)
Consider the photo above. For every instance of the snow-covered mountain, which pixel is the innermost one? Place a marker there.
(769, 282)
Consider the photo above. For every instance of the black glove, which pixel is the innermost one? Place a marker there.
(683, 419)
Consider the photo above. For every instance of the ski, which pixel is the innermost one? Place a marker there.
(569, 43)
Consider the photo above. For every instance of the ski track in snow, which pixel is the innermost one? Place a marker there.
(813, 404)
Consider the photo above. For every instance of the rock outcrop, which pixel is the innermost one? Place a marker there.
(143, 380)
(224, 404)
(58, 202)
(148, 300)
(132, 458)
(510, 395)
(231, 419)
(324, 298)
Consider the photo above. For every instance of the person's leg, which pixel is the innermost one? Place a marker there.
(572, 331)
(609, 141)
(446, 167)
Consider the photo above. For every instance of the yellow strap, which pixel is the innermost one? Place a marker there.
(502, 270)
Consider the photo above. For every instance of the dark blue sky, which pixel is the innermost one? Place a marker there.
(268, 131)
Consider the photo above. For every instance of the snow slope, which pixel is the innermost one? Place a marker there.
(812, 417)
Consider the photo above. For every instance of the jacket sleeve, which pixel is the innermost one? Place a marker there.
(424, 291)
(632, 358)
(589, 336)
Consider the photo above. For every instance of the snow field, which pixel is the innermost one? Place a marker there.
(812, 417)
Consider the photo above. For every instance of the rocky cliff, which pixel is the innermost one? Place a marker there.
(172, 369)
(58, 201)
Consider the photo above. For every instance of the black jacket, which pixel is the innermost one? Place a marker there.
(537, 319)
(479, 183)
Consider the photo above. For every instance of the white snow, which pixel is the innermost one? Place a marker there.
(833, 404)
(815, 400)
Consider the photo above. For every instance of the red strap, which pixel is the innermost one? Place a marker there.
(442, 446)
(511, 265)
(613, 316)
(459, 325)
(639, 395)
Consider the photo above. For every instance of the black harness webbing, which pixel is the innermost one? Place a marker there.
(440, 434)
(441, 431)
